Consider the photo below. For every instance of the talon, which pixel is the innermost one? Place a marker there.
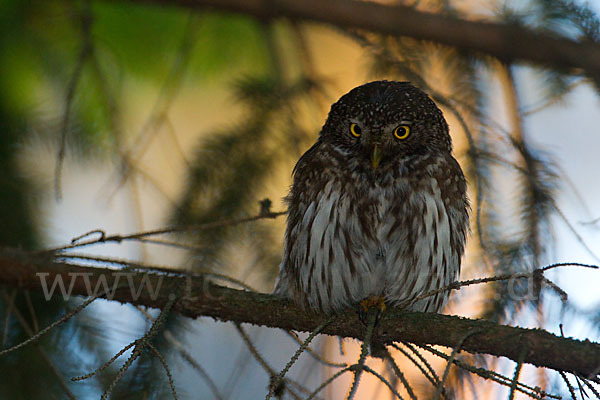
(371, 302)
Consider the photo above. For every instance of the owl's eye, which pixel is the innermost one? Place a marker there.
(355, 130)
(401, 132)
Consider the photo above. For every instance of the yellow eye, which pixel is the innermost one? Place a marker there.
(355, 130)
(402, 132)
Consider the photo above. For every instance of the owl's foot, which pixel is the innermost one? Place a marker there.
(377, 302)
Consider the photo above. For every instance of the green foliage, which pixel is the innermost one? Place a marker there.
(228, 174)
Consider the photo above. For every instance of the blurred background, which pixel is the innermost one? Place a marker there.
(127, 116)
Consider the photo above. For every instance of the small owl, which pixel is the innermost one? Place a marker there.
(378, 206)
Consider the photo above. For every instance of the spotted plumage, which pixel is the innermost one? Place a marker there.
(378, 205)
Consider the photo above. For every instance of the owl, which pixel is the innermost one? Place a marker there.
(378, 206)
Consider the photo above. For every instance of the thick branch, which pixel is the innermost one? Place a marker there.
(202, 298)
(503, 41)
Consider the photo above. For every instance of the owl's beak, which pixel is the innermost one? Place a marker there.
(375, 156)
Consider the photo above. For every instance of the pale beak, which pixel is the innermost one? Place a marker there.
(375, 156)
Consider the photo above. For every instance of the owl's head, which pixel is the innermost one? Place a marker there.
(384, 121)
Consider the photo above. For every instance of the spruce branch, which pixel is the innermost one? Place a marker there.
(507, 42)
(204, 298)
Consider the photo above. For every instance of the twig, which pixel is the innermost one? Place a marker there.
(48, 360)
(590, 386)
(140, 344)
(400, 375)
(296, 355)
(592, 222)
(382, 379)
(424, 361)
(166, 368)
(359, 366)
(571, 388)
(47, 329)
(186, 356)
(105, 365)
(86, 49)
(455, 351)
(574, 231)
(10, 304)
(327, 382)
(515, 380)
(459, 284)
(103, 238)
(153, 268)
(254, 351)
(32, 313)
(315, 355)
(165, 98)
(492, 375)
(426, 374)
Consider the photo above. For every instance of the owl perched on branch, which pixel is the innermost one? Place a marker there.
(378, 206)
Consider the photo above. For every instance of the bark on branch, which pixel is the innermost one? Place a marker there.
(199, 297)
(503, 41)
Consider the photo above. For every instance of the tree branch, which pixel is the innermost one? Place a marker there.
(503, 41)
(203, 298)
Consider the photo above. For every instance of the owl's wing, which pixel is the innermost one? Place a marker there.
(287, 284)
(453, 188)
(307, 156)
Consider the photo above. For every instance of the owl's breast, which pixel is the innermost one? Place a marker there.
(407, 240)
(391, 241)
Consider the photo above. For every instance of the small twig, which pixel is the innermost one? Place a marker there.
(328, 381)
(582, 391)
(137, 351)
(45, 357)
(592, 222)
(10, 304)
(76, 242)
(100, 232)
(254, 351)
(105, 365)
(553, 100)
(561, 293)
(425, 373)
(360, 365)
(455, 351)
(590, 386)
(296, 355)
(381, 378)
(32, 313)
(574, 231)
(87, 49)
(571, 388)
(140, 345)
(176, 245)
(424, 361)
(186, 356)
(154, 268)
(341, 346)
(492, 375)
(569, 264)
(160, 109)
(515, 380)
(166, 367)
(400, 375)
(459, 284)
(51, 326)
(315, 355)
